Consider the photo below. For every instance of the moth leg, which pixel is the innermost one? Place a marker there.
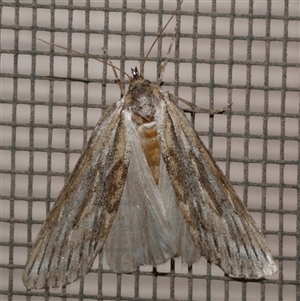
(196, 109)
(118, 81)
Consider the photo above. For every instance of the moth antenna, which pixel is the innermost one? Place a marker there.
(83, 55)
(162, 68)
(158, 36)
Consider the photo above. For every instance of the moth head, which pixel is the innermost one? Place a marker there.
(136, 74)
(138, 85)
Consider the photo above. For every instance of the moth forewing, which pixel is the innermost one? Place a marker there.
(221, 228)
(79, 222)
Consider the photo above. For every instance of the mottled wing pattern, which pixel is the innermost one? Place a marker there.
(180, 232)
(80, 220)
(220, 226)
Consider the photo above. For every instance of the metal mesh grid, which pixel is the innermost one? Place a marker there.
(239, 51)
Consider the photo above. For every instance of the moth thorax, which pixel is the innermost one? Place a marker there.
(150, 143)
(141, 98)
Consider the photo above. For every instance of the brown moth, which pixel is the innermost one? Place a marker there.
(145, 190)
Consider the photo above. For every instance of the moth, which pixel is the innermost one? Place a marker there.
(144, 190)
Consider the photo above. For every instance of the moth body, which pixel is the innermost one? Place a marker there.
(141, 98)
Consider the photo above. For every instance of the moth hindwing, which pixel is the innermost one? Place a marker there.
(145, 190)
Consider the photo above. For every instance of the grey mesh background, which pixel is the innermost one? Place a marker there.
(246, 52)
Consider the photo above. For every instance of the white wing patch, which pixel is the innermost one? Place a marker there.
(148, 228)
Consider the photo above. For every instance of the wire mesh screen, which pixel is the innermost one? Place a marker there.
(244, 52)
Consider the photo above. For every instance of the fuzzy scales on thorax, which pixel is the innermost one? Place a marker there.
(141, 97)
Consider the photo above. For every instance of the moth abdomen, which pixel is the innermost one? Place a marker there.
(150, 144)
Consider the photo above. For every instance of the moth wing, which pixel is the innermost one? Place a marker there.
(221, 227)
(180, 232)
(141, 233)
(79, 222)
